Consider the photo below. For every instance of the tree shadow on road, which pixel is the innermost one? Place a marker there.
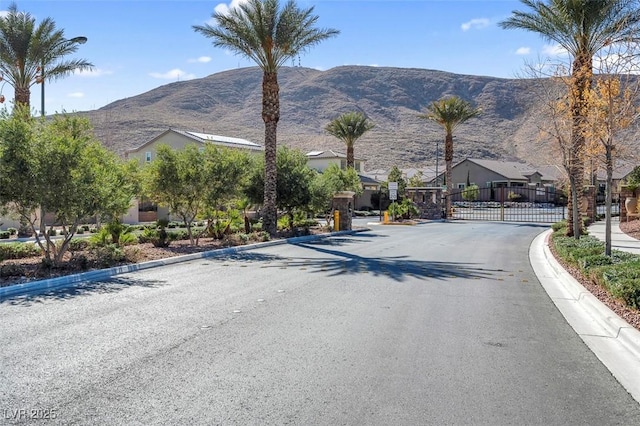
(119, 282)
(85, 288)
(397, 268)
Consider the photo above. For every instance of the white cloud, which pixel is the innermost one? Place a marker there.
(523, 51)
(223, 8)
(201, 60)
(476, 24)
(174, 74)
(95, 72)
(76, 95)
(554, 50)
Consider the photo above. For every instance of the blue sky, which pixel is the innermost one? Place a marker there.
(137, 45)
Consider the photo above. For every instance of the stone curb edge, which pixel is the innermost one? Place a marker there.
(614, 341)
(69, 281)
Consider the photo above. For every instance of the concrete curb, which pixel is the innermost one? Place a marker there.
(614, 341)
(70, 281)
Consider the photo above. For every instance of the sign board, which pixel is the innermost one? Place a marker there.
(393, 194)
(393, 186)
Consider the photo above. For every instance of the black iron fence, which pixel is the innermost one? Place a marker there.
(513, 204)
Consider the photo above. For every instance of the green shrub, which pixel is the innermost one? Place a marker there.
(18, 250)
(12, 231)
(559, 226)
(622, 281)
(52, 232)
(78, 244)
(618, 274)
(5, 235)
(85, 228)
(80, 231)
(108, 255)
(11, 270)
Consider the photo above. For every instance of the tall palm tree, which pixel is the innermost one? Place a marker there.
(349, 127)
(25, 48)
(582, 27)
(449, 112)
(269, 35)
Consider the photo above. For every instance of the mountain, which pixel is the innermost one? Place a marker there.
(229, 103)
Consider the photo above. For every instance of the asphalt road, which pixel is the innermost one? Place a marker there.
(443, 323)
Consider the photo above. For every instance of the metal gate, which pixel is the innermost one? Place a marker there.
(508, 204)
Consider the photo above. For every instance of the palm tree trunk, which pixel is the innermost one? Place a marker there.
(270, 116)
(350, 156)
(23, 96)
(582, 76)
(448, 160)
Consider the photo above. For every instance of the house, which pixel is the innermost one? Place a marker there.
(178, 139)
(146, 211)
(321, 160)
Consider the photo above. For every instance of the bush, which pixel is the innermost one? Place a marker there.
(52, 232)
(12, 231)
(18, 250)
(78, 244)
(11, 270)
(618, 274)
(109, 255)
(5, 235)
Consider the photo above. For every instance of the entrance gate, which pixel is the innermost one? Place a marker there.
(513, 204)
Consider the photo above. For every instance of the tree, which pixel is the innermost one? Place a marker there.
(191, 182)
(294, 179)
(582, 27)
(269, 35)
(25, 48)
(325, 185)
(416, 180)
(349, 127)
(449, 113)
(470, 193)
(613, 108)
(59, 168)
(176, 178)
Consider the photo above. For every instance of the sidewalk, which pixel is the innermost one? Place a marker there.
(619, 240)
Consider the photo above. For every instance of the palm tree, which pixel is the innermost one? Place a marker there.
(349, 127)
(26, 49)
(263, 32)
(449, 113)
(582, 27)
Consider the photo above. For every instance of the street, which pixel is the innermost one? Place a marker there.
(441, 323)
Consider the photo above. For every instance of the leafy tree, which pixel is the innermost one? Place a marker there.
(582, 27)
(269, 35)
(59, 168)
(294, 178)
(470, 193)
(613, 108)
(349, 127)
(449, 113)
(325, 185)
(395, 175)
(416, 180)
(193, 183)
(227, 174)
(176, 178)
(26, 47)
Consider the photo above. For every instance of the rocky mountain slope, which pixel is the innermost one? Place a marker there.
(229, 103)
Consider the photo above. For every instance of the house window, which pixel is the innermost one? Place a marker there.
(357, 166)
(461, 186)
(343, 164)
(147, 156)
